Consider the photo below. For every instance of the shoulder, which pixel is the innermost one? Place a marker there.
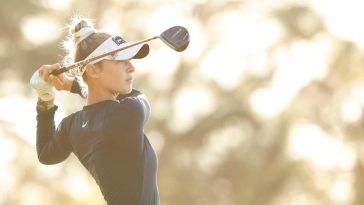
(129, 106)
(133, 107)
(133, 93)
(135, 99)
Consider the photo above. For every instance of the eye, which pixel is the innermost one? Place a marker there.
(122, 63)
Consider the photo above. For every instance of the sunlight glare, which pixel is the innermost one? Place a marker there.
(40, 29)
(311, 143)
(191, 103)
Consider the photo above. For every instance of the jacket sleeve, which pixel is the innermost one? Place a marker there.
(78, 88)
(52, 145)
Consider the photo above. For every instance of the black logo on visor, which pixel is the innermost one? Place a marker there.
(118, 40)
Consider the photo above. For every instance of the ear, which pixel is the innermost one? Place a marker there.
(92, 71)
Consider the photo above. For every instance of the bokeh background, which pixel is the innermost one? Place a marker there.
(265, 107)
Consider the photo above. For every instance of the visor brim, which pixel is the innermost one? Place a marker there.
(135, 52)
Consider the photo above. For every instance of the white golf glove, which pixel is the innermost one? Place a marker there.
(44, 89)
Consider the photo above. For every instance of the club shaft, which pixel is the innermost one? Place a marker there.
(84, 62)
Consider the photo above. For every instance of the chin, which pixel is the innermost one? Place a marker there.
(125, 90)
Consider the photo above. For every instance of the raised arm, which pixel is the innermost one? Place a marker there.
(52, 144)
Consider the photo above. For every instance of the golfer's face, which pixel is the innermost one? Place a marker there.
(118, 76)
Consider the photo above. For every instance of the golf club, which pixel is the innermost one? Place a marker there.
(176, 37)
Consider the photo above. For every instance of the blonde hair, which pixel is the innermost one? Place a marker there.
(79, 44)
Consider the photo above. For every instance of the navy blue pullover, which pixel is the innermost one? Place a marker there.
(108, 138)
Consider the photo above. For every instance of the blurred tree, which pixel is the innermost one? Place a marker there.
(216, 148)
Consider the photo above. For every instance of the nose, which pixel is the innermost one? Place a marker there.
(130, 67)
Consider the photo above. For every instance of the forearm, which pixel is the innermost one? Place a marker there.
(51, 145)
(45, 129)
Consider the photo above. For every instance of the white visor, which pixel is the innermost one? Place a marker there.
(113, 43)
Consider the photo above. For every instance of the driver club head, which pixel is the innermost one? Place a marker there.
(176, 37)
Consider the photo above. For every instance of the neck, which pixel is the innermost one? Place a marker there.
(96, 95)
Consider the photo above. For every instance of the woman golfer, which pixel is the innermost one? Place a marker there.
(107, 135)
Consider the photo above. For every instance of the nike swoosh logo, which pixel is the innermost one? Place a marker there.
(84, 124)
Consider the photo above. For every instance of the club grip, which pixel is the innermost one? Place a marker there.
(59, 71)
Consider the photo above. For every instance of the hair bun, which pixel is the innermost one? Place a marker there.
(80, 29)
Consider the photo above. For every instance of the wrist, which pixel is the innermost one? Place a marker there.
(45, 105)
(51, 101)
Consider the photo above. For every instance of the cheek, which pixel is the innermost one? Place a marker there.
(117, 75)
(116, 79)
